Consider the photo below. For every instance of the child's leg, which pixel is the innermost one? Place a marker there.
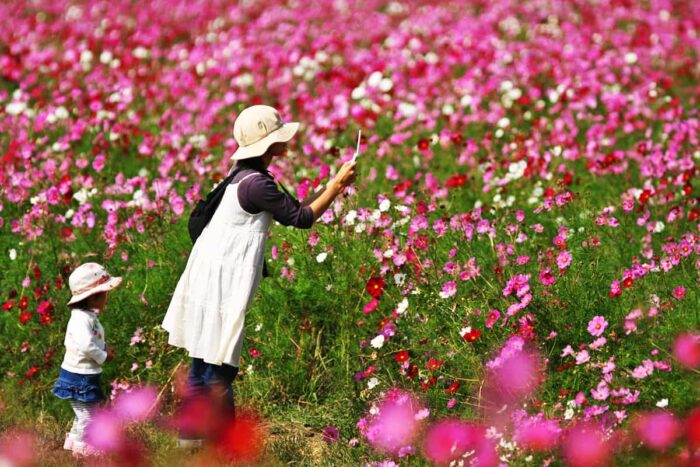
(83, 414)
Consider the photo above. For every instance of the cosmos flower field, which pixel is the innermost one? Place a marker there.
(512, 280)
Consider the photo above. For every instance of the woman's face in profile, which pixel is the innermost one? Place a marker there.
(275, 150)
(278, 149)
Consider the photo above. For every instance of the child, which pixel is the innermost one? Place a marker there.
(79, 380)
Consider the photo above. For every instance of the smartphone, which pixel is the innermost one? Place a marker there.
(357, 150)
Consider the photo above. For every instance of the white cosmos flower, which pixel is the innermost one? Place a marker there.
(375, 79)
(13, 254)
(399, 278)
(386, 84)
(407, 110)
(384, 205)
(402, 306)
(350, 217)
(662, 403)
(372, 383)
(378, 342)
(15, 108)
(321, 257)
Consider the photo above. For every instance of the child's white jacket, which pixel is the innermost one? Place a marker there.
(85, 343)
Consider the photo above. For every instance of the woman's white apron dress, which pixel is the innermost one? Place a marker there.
(206, 315)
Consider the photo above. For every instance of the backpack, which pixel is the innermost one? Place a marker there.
(204, 210)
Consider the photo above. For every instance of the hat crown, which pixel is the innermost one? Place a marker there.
(255, 123)
(86, 276)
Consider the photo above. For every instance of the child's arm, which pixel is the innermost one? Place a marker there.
(85, 340)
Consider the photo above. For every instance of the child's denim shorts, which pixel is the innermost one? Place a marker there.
(84, 388)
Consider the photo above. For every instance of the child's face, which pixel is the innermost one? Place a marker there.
(98, 300)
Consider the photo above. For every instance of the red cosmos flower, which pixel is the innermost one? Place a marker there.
(433, 364)
(423, 144)
(375, 286)
(456, 181)
(7, 306)
(23, 302)
(37, 273)
(254, 352)
(401, 188)
(401, 356)
(453, 387)
(692, 429)
(67, 233)
(421, 241)
(44, 308)
(32, 371)
(412, 371)
(472, 335)
(627, 282)
(24, 317)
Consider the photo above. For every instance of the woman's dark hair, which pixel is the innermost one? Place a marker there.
(255, 163)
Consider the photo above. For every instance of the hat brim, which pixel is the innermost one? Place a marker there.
(106, 287)
(280, 135)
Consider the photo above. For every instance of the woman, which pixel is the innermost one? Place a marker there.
(207, 313)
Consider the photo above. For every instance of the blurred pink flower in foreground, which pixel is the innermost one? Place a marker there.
(105, 431)
(537, 435)
(393, 423)
(585, 446)
(686, 349)
(658, 430)
(449, 440)
(136, 406)
(17, 448)
(514, 375)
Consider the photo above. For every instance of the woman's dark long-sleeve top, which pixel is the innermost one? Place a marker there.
(259, 193)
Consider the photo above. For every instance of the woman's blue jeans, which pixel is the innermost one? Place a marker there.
(205, 377)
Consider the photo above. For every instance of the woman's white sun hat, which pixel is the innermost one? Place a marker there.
(89, 279)
(257, 128)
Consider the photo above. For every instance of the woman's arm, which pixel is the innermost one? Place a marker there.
(323, 199)
(310, 199)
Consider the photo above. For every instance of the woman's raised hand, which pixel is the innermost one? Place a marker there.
(346, 175)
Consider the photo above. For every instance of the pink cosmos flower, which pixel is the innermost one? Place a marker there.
(449, 288)
(492, 317)
(546, 277)
(679, 293)
(582, 357)
(371, 306)
(601, 392)
(563, 259)
(597, 326)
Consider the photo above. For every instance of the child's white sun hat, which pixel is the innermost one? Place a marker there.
(257, 128)
(89, 279)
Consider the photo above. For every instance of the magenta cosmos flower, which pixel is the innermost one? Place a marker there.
(597, 326)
